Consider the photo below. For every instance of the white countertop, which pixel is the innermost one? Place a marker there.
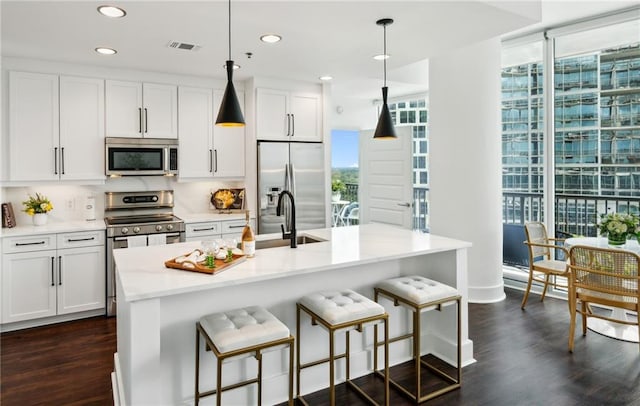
(143, 275)
(53, 227)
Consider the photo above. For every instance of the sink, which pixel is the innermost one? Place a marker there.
(302, 239)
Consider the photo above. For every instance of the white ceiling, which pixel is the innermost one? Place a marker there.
(336, 38)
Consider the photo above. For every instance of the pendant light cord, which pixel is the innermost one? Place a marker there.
(384, 54)
(230, 30)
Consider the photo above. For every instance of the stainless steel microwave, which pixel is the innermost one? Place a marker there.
(141, 156)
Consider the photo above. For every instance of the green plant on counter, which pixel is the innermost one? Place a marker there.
(338, 186)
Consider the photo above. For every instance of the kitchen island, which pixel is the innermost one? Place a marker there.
(158, 308)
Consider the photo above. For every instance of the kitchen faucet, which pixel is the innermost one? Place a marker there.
(292, 233)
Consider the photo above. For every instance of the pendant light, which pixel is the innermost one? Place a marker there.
(230, 114)
(384, 129)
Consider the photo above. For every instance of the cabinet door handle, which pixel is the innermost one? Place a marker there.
(62, 159)
(146, 121)
(52, 275)
(204, 229)
(21, 244)
(59, 270)
(140, 120)
(288, 124)
(242, 226)
(293, 125)
(210, 160)
(55, 161)
(81, 239)
(404, 204)
(215, 160)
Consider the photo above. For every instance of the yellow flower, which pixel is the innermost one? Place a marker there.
(37, 204)
(30, 211)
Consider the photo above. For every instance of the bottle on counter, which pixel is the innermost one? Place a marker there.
(248, 244)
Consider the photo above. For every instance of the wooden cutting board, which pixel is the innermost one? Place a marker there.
(220, 264)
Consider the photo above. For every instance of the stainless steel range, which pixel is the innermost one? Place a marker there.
(136, 219)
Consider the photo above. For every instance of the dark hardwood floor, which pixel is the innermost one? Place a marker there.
(522, 359)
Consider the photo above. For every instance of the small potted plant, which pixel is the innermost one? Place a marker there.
(337, 187)
(618, 227)
(38, 207)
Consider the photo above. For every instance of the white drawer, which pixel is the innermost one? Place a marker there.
(81, 239)
(235, 226)
(31, 243)
(207, 229)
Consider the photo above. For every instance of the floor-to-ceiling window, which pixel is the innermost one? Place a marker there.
(591, 145)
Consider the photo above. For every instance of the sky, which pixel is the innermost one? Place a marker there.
(344, 149)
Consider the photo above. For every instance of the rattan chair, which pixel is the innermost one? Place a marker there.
(605, 276)
(542, 262)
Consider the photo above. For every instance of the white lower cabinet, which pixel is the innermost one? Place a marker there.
(53, 274)
(216, 229)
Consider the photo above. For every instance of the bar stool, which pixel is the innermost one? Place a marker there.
(419, 295)
(339, 311)
(237, 334)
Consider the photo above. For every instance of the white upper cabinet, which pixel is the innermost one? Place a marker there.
(82, 128)
(288, 116)
(207, 150)
(135, 109)
(53, 124)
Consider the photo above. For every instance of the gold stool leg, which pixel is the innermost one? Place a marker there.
(197, 394)
(298, 339)
(259, 357)
(386, 359)
(348, 359)
(332, 389)
(219, 382)
(291, 373)
(416, 351)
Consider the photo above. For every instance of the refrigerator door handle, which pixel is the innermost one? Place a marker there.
(292, 176)
(287, 186)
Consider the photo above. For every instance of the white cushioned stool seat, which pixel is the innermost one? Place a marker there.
(243, 328)
(337, 307)
(417, 289)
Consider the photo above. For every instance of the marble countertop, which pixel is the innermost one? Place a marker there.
(142, 273)
(53, 227)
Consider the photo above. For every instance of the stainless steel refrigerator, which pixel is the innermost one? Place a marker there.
(299, 168)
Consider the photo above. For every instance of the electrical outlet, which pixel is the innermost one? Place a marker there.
(70, 203)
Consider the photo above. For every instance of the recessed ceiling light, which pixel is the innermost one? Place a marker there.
(112, 11)
(270, 38)
(325, 78)
(106, 51)
(381, 57)
(235, 66)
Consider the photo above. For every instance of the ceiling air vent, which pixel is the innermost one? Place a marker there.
(183, 45)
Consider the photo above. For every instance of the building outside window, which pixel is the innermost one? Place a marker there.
(595, 131)
(413, 112)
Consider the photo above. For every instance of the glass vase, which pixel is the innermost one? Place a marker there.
(616, 240)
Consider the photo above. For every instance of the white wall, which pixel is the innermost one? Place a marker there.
(465, 156)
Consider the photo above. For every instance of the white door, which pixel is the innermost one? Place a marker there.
(160, 103)
(228, 144)
(195, 131)
(33, 127)
(81, 279)
(81, 128)
(123, 107)
(386, 190)
(272, 122)
(305, 117)
(28, 285)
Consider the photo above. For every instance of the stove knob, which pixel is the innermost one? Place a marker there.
(124, 230)
(136, 229)
(169, 227)
(158, 228)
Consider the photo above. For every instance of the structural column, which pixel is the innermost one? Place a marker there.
(465, 160)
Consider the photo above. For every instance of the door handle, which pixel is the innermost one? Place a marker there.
(146, 121)
(405, 204)
(59, 270)
(215, 160)
(52, 275)
(55, 161)
(288, 124)
(293, 125)
(140, 120)
(62, 159)
(210, 160)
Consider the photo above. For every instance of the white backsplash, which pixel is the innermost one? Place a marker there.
(69, 200)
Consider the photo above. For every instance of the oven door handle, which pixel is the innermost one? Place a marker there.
(176, 234)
